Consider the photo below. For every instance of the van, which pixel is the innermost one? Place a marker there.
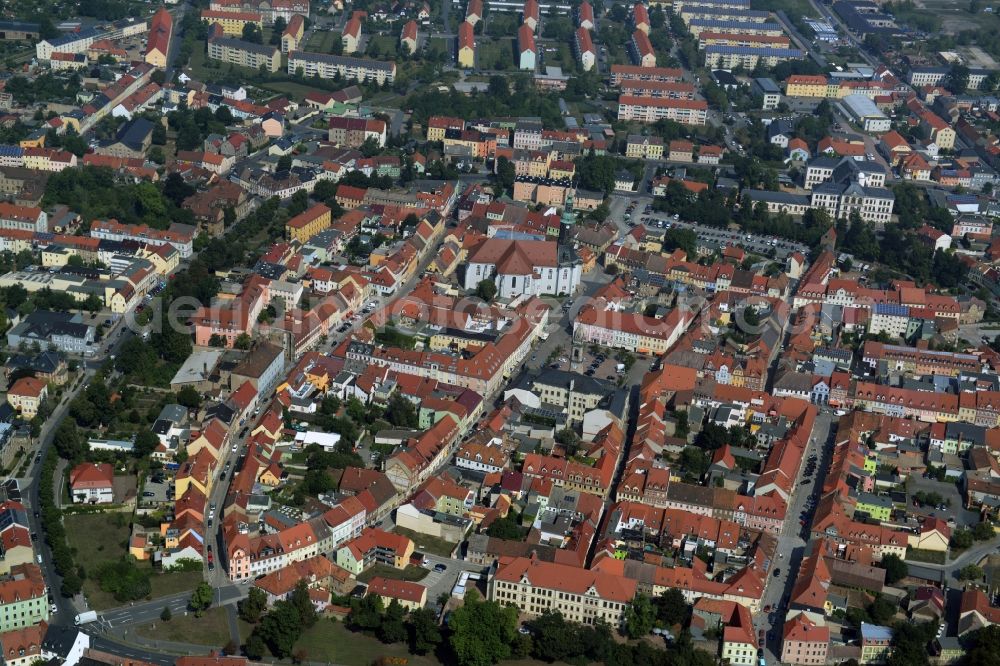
(39, 558)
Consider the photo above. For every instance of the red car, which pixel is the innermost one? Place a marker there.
(767, 608)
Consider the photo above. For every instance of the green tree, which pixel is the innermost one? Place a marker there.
(983, 531)
(553, 639)
(254, 647)
(252, 33)
(400, 412)
(882, 609)
(895, 568)
(507, 527)
(201, 598)
(303, 604)
(482, 632)
(984, 647)
(961, 538)
(242, 341)
(639, 617)
(672, 608)
(251, 608)
(366, 613)
(280, 628)
(67, 441)
(425, 635)
(165, 614)
(392, 629)
(970, 572)
(145, 443)
(505, 174)
(486, 290)
(685, 239)
(567, 437)
(189, 397)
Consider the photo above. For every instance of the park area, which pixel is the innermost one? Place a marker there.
(100, 543)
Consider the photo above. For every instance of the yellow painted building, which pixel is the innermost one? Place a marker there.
(305, 225)
(466, 46)
(803, 85)
(644, 147)
(232, 22)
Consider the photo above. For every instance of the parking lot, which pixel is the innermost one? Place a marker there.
(156, 492)
(953, 506)
(715, 238)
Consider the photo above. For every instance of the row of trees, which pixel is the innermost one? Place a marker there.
(482, 633)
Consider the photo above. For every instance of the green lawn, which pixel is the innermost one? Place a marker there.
(211, 629)
(330, 641)
(428, 544)
(322, 41)
(491, 52)
(165, 584)
(293, 88)
(932, 556)
(381, 46)
(97, 538)
(411, 573)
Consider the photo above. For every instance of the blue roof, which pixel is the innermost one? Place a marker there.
(71, 37)
(11, 151)
(875, 632)
(891, 309)
(714, 23)
(723, 11)
(754, 50)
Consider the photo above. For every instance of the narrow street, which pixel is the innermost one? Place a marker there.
(792, 543)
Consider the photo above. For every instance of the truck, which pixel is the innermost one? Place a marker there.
(86, 617)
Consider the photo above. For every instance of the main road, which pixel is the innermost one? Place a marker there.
(794, 536)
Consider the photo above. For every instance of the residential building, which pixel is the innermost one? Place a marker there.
(23, 598)
(245, 54)
(327, 66)
(161, 29)
(92, 483)
(232, 23)
(353, 132)
(651, 109)
(26, 396)
(644, 147)
(411, 596)
(876, 643)
(804, 642)
(466, 45)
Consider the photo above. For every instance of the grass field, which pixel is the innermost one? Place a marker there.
(495, 54)
(330, 641)
(97, 538)
(381, 46)
(428, 544)
(293, 88)
(322, 41)
(211, 629)
(931, 556)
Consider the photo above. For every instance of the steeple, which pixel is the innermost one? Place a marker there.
(568, 219)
